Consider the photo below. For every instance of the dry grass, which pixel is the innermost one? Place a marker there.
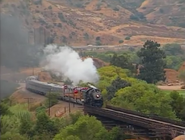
(110, 25)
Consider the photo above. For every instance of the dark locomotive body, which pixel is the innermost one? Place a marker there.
(93, 97)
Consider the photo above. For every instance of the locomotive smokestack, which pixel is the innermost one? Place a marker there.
(92, 86)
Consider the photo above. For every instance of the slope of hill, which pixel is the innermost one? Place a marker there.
(82, 22)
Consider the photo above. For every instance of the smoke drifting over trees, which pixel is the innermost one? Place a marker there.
(65, 61)
(16, 51)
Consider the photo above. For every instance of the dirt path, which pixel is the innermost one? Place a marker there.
(170, 87)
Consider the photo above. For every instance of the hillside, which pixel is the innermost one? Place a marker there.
(100, 22)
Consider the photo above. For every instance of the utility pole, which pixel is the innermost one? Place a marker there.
(49, 106)
(69, 105)
(28, 101)
(49, 100)
(44, 37)
(33, 71)
(34, 36)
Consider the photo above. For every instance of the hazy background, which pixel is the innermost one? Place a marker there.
(15, 51)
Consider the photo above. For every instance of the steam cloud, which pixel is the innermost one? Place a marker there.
(67, 62)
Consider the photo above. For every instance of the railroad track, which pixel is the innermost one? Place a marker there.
(156, 127)
(148, 117)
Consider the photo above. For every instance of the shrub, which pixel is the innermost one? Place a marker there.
(121, 41)
(127, 38)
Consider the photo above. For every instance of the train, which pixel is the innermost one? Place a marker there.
(89, 96)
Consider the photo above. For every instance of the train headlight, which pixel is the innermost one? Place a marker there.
(97, 95)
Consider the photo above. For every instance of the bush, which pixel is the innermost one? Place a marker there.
(50, 7)
(61, 17)
(127, 38)
(116, 9)
(98, 43)
(183, 87)
(59, 25)
(121, 41)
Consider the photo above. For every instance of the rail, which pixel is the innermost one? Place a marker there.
(137, 119)
(157, 118)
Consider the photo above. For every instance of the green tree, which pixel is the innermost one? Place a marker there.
(108, 74)
(173, 62)
(117, 84)
(12, 136)
(177, 104)
(122, 61)
(74, 117)
(182, 76)
(68, 82)
(10, 123)
(86, 128)
(25, 126)
(173, 49)
(144, 98)
(45, 125)
(152, 60)
(51, 99)
(4, 108)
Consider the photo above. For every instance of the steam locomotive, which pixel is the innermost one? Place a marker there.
(81, 95)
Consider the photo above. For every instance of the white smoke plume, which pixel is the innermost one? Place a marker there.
(67, 62)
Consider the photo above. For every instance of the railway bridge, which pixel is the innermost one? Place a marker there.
(137, 123)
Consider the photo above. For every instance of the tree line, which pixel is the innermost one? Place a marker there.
(20, 124)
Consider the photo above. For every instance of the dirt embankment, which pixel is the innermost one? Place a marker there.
(172, 75)
(181, 137)
(172, 79)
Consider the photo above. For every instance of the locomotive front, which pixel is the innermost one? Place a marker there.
(93, 97)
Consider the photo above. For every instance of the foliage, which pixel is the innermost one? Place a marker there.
(175, 55)
(144, 98)
(121, 41)
(40, 109)
(74, 117)
(177, 104)
(61, 17)
(86, 36)
(44, 124)
(173, 62)
(122, 61)
(110, 73)
(52, 99)
(172, 49)
(138, 16)
(12, 136)
(10, 124)
(182, 76)
(68, 82)
(4, 109)
(127, 38)
(80, 131)
(117, 84)
(152, 61)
